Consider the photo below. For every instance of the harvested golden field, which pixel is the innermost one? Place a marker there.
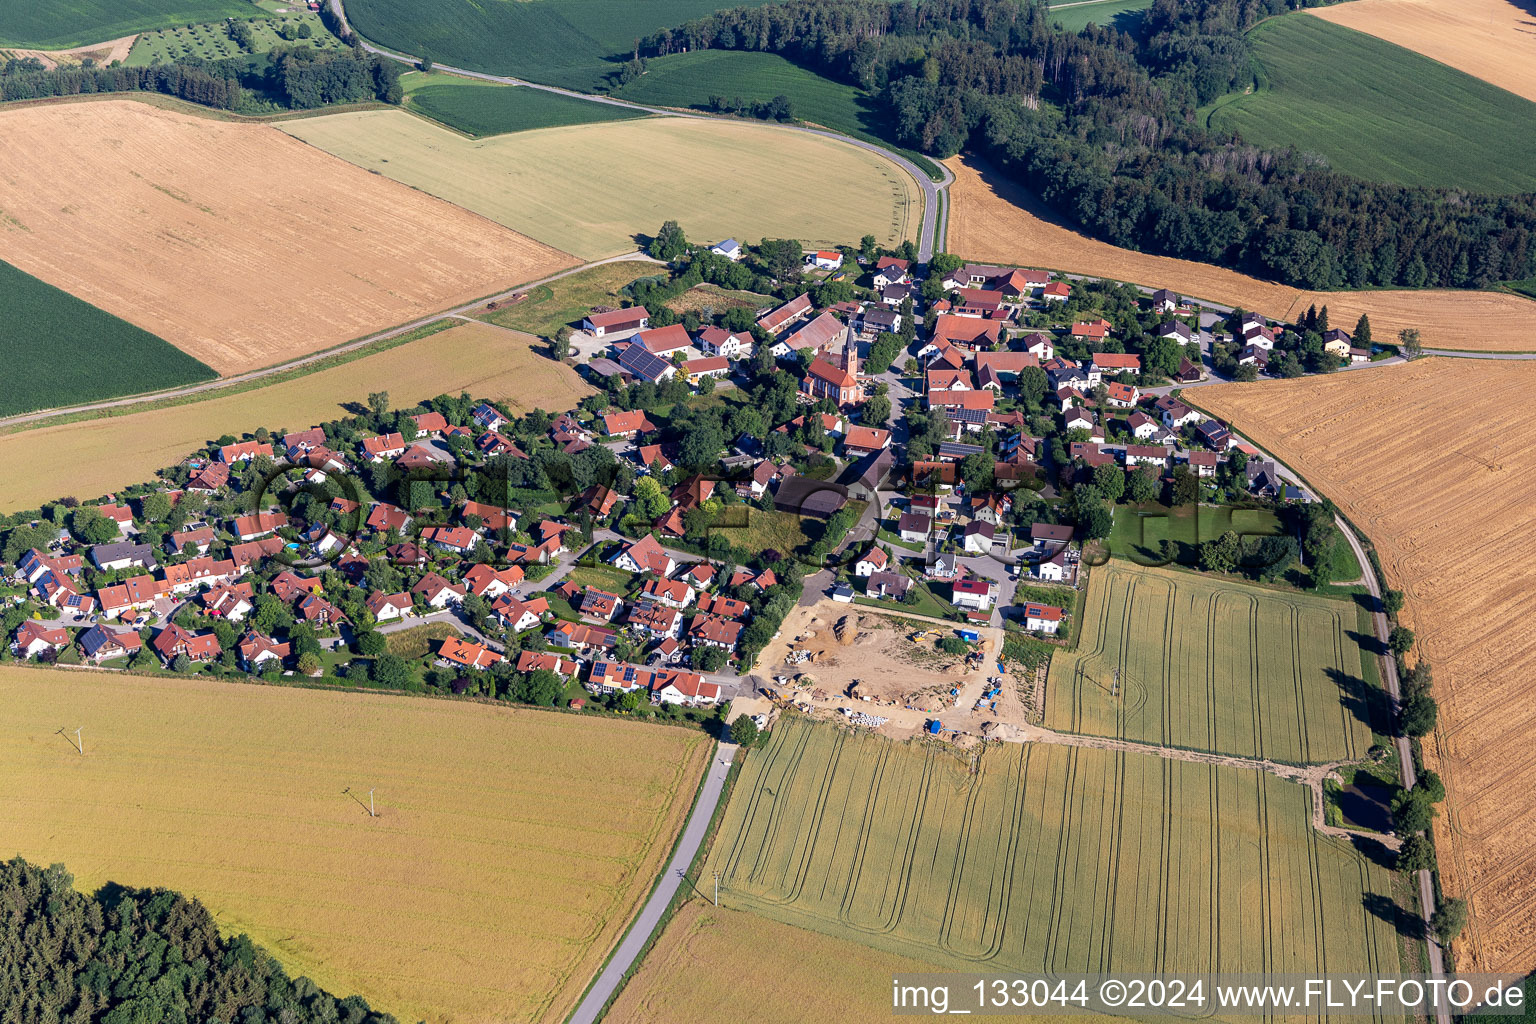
(509, 853)
(102, 53)
(992, 219)
(92, 457)
(232, 241)
(710, 962)
(1433, 460)
(1494, 40)
(592, 188)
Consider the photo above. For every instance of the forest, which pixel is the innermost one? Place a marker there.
(297, 77)
(142, 956)
(1102, 125)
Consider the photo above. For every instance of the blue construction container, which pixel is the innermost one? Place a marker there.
(934, 726)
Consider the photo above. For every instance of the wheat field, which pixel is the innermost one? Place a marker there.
(1494, 40)
(592, 188)
(1433, 460)
(234, 242)
(510, 849)
(87, 458)
(992, 219)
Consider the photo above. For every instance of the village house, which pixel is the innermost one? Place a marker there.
(714, 631)
(244, 451)
(437, 592)
(1052, 568)
(891, 270)
(455, 652)
(34, 637)
(978, 537)
(174, 641)
(384, 518)
(383, 447)
(484, 581)
(123, 555)
(1115, 362)
(872, 561)
(672, 593)
(824, 259)
(517, 616)
(1165, 301)
(1122, 396)
(972, 594)
(599, 605)
(1042, 618)
(542, 661)
(460, 540)
(100, 644)
(317, 611)
(644, 555)
(256, 649)
(258, 525)
(386, 607)
(889, 584)
(781, 318)
(730, 249)
(913, 528)
(655, 621)
(1142, 426)
(717, 341)
(1056, 291)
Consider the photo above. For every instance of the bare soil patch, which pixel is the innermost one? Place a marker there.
(992, 219)
(1433, 460)
(835, 646)
(102, 53)
(1494, 40)
(236, 242)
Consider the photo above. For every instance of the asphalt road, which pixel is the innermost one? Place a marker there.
(639, 933)
(932, 212)
(1381, 627)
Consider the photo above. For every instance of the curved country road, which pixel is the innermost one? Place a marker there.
(932, 207)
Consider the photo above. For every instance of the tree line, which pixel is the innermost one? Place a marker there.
(123, 955)
(298, 78)
(1102, 124)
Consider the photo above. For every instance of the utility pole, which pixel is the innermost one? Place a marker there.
(80, 742)
(717, 888)
(371, 813)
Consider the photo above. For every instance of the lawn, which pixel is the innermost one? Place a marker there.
(65, 23)
(717, 300)
(761, 530)
(566, 301)
(58, 350)
(1124, 15)
(485, 108)
(1139, 530)
(499, 828)
(1379, 111)
(717, 178)
(1206, 663)
(572, 43)
(210, 40)
(91, 457)
(1030, 858)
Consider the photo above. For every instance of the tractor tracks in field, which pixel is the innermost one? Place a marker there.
(1310, 776)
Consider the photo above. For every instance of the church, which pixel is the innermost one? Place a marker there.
(836, 376)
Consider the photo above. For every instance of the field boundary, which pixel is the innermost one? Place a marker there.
(324, 359)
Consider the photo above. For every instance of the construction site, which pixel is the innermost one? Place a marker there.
(898, 674)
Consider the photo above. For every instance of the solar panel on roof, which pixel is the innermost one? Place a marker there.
(642, 363)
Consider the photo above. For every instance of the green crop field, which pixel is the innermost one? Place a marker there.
(1207, 664)
(1045, 858)
(1075, 15)
(64, 23)
(571, 43)
(689, 80)
(210, 40)
(1381, 112)
(58, 350)
(484, 108)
